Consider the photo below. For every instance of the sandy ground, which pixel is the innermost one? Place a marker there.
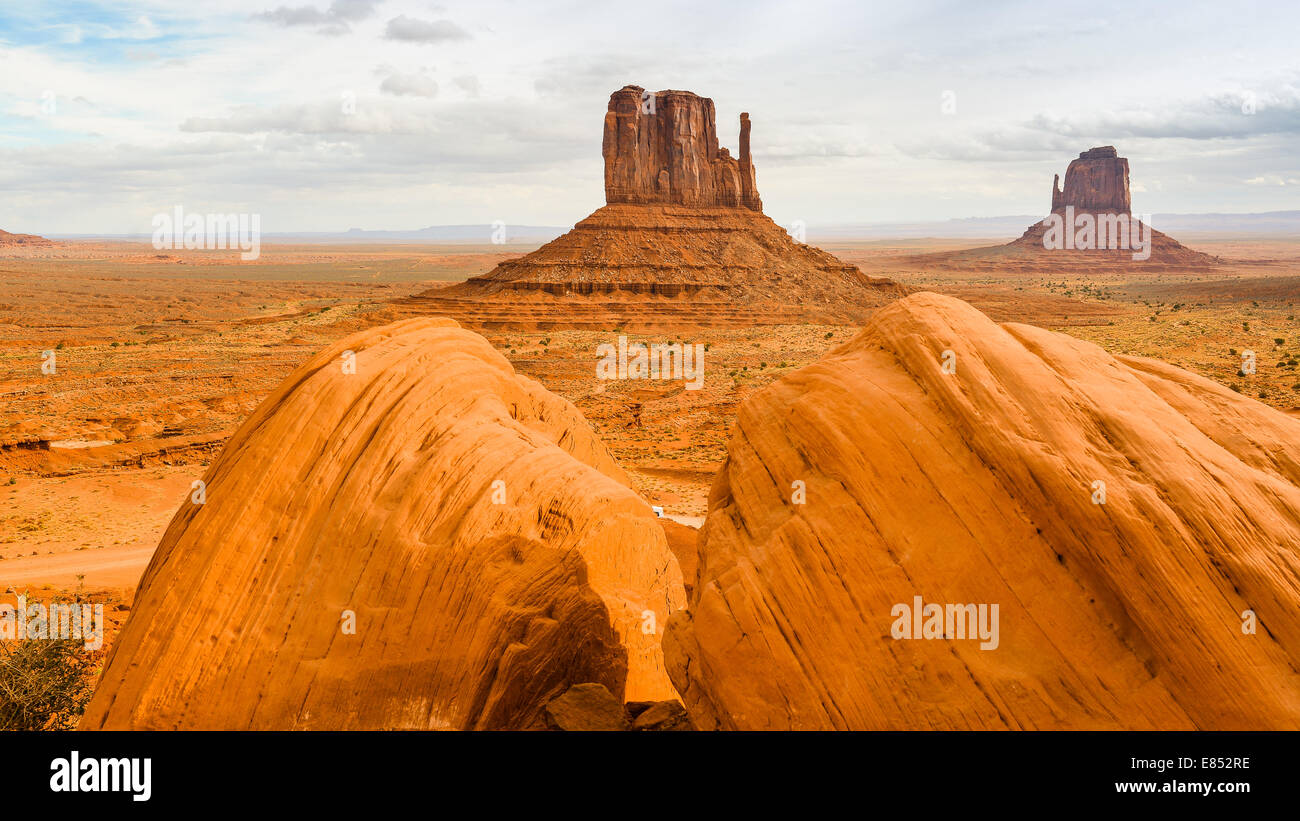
(98, 528)
(158, 360)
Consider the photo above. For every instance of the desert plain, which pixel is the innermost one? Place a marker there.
(159, 357)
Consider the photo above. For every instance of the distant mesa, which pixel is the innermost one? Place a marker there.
(8, 240)
(1044, 536)
(1096, 187)
(1096, 195)
(682, 236)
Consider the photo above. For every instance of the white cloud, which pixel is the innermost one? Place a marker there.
(414, 30)
(334, 19)
(222, 104)
(413, 84)
(1273, 179)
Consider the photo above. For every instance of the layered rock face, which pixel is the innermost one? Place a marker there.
(1096, 182)
(1166, 252)
(727, 256)
(1134, 524)
(430, 541)
(662, 147)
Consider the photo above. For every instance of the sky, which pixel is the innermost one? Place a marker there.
(326, 115)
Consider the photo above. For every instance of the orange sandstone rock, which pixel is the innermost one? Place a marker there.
(682, 240)
(981, 486)
(468, 523)
(662, 147)
(1096, 181)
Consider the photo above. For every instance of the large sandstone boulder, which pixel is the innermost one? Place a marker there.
(431, 541)
(1122, 514)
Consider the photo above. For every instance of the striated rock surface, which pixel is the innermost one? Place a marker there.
(1096, 182)
(483, 542)
(1166, 253)
(662, 147)
(732, 257)
(980, 487)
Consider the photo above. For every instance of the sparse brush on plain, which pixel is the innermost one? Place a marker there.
(44, 685)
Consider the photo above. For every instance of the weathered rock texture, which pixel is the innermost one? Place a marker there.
(662, 147)
(1096, 182)
(682, 238)
(978, 487)
(726, 256)
(586, 707)
(487, 543)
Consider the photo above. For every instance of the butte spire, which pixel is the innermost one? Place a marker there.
(682, 237)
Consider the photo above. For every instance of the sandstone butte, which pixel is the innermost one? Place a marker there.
(978, 487)
(1097, 183)
(374, 492)
(682, 237)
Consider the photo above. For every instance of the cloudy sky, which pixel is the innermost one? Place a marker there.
(323, 115)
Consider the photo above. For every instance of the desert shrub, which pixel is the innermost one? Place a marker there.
(44, 685)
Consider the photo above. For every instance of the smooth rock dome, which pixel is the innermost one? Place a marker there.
(978, 484)
(485, 544)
